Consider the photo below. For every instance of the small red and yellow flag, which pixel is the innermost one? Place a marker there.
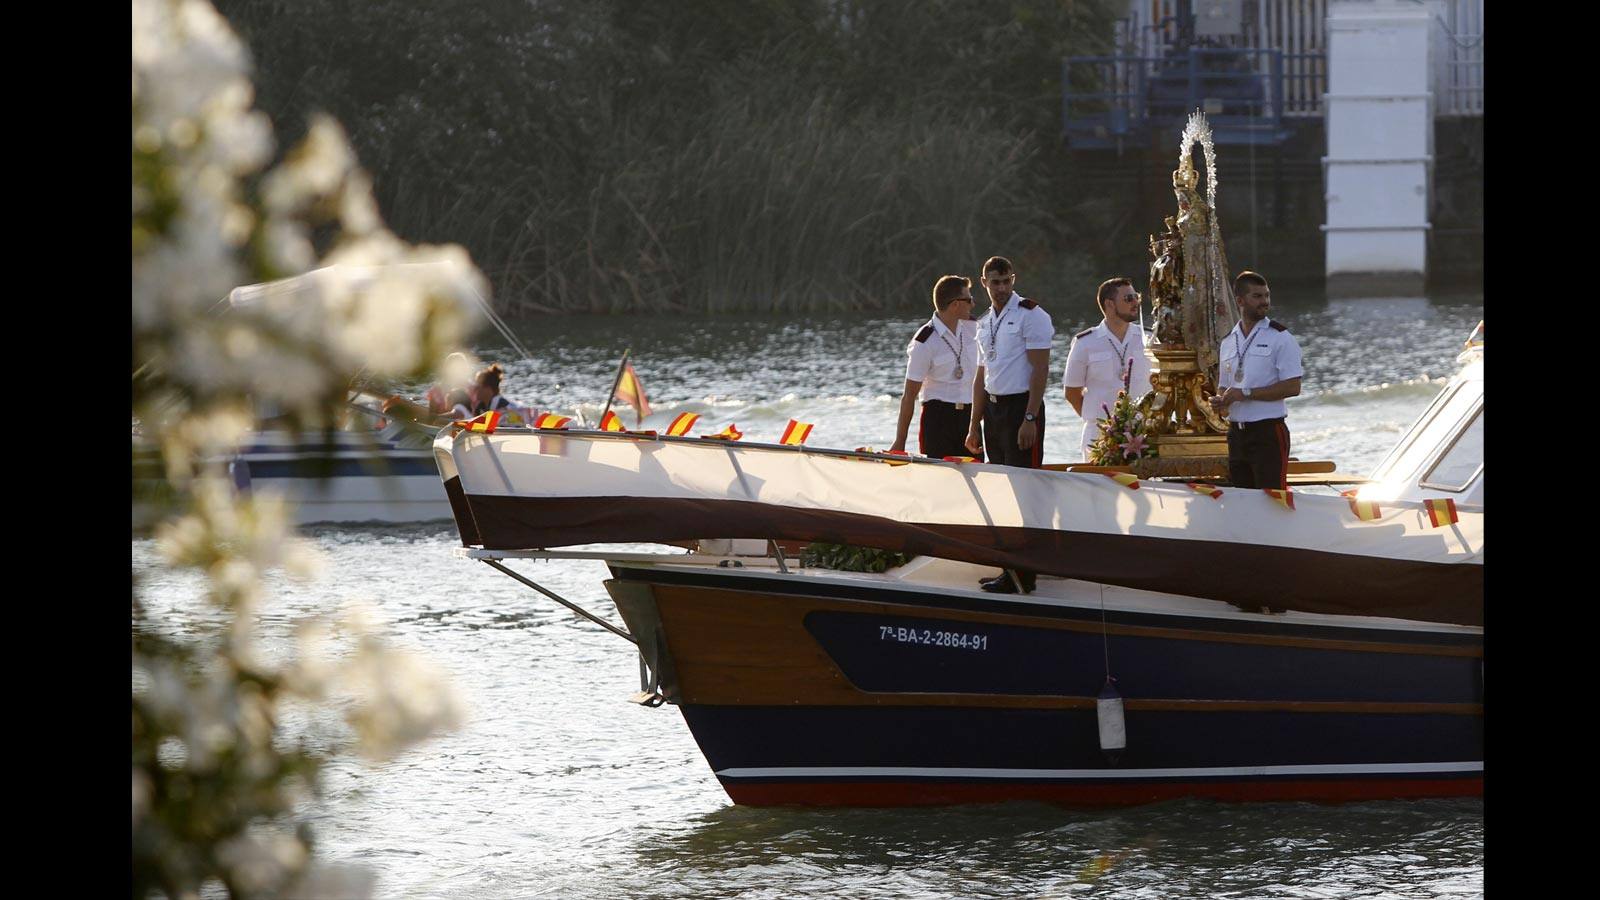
(1210, 490)
(960, 459)
(680, 426)
(796, 433)
(1126, 479)
(1441, 512)
(551, 420)
(1365, 510)
(1282, 498)
(484, 423)
(630, 390)
(731, 433)
(610, 422)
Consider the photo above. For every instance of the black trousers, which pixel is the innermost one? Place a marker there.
(943, 429)
(1258, 454)
(1002, 416)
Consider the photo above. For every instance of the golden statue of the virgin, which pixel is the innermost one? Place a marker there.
(1191, 290)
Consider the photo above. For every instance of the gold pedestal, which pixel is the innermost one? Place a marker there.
(1186, 426)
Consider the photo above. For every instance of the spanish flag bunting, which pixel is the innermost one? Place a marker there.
(610, 422)
(630, 390)
(1441, 512)
(960, 459)
(551, 420)
(1283, 498)
(681, 425)
(1365, 510)
(1210, 490)
(485, 423)
(1126, 479)
(796, 433)
(731, 433)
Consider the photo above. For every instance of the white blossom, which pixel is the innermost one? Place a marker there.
(210, 352)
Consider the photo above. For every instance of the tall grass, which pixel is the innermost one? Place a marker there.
(612, 157)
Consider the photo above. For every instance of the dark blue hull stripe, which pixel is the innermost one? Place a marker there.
(874, 654)
(371, 467)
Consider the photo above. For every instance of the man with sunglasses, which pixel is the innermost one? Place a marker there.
(941, 361)
(1102, 356)
(1008, 393)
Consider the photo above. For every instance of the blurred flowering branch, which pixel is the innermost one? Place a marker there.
(216, 776)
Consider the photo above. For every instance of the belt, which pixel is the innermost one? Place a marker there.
(1243, 425)
(996, 398)
(946, 403)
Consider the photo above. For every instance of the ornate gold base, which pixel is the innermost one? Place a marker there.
(1178, 403)
(1186, 446)
(1182, 467)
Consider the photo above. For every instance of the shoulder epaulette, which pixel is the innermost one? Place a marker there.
(925, 333)
(1278, 326)
(1027, 304)
(1086, 332)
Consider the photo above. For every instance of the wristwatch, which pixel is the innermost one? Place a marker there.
(1028, 417)
(1246, 392)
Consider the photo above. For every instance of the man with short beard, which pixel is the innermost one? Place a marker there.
(1258, 367)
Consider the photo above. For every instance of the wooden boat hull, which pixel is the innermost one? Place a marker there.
(816, 692)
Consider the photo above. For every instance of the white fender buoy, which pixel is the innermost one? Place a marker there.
(1113, 728)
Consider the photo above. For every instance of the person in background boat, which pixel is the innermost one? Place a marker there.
(1258, 367)
(461, 401)
(1101, 356)
(454, 375)
(1008, 390)
(487, 398)
(941, 360)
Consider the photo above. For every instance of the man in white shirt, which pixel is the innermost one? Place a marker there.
(941, 361)
(1008, 393)
(1103, 356)
(1258, 367)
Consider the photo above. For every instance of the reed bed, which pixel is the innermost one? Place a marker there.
(633, 159)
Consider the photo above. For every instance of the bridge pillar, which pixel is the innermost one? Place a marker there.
(1379, 168)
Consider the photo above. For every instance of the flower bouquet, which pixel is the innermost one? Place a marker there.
(1125, 432)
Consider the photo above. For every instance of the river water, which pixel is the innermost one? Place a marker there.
(557, 786)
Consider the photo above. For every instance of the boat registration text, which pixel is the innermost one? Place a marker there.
(956, 639)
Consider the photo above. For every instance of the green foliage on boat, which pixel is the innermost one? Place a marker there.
(846, 558)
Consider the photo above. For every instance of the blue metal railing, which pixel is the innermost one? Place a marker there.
(1106, 100)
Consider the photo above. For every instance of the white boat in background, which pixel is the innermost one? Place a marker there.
(373, 469)
(1326, 650)
(382, 475)
(362, 474)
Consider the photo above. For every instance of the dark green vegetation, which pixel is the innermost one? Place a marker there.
(846, 558)
(617, 156)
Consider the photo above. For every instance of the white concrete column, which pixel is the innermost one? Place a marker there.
(1378, 171)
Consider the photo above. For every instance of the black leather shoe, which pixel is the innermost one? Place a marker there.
(985, 582)
(1001, 585)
